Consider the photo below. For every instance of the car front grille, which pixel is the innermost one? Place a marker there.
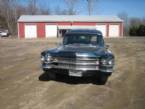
(75, 63)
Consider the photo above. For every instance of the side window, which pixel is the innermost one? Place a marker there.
(65, 40)
(93, 40)
(101, 40)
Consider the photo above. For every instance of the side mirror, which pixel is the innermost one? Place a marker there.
(107, 46)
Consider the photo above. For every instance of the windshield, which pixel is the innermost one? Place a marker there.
(91, 39)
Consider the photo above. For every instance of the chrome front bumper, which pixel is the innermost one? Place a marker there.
(70, 67)
(80, 64)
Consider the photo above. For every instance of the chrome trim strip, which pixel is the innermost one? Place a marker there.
(74, 63)
(78, 63)
(77, 58)
(75, 68)
(69, 68)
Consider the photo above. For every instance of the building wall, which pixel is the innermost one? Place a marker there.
(41, 27)
(21, 30)
(41, 30)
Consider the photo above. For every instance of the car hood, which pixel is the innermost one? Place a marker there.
(77, 51)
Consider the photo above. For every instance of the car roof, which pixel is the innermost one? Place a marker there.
(84, 31)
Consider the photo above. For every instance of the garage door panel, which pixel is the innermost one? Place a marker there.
(30, 31)
(102, 28)
(114, 30)
(51, 31)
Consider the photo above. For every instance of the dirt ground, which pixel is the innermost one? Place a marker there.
(23, 85)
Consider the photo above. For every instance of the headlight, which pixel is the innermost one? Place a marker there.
(107, 62)
(110, 62)
(42, 58)
(49, 58)
(46, 58)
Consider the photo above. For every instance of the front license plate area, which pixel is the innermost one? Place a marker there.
(75, 73)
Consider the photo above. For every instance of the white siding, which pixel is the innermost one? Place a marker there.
(50, 31)
(102, 28)
(114, 30)
(30, 31)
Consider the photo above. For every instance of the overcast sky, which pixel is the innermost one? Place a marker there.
(134, 8)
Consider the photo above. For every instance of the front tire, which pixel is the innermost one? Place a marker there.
(50, 74)
(101, 78)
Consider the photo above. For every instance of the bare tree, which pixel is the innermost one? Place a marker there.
(135, 22)
(42, 8)
(32, 7)
(124, 17)
(9, 12)
(91, 4)
(44, 11)
(38, 7)
(71, 6)
(59, 11)
(143, 21)
(3, 23)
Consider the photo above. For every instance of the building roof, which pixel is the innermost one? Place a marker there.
(68, 18)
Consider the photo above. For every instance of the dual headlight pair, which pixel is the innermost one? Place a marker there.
(107, 61)
(47, 58)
